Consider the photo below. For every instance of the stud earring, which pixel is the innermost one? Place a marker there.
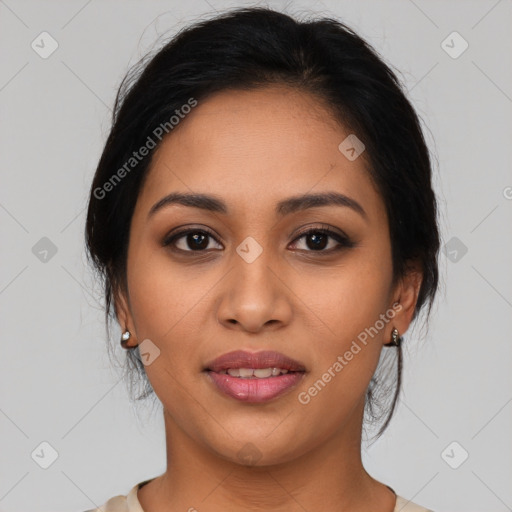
(124, 339)
(396, 339)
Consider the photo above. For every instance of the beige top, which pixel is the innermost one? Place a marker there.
(130, 503)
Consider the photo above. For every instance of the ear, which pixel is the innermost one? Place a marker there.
(406, 294)
(123, 313)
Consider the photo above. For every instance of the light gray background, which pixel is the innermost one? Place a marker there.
(57, 384)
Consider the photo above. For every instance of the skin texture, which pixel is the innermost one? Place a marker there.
(253, 149)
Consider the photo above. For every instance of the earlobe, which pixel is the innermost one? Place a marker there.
(124, 318)
(406, 295)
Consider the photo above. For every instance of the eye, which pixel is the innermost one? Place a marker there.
(317, 239)
(190, 240)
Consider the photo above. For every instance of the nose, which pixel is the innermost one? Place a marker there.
(254, 296)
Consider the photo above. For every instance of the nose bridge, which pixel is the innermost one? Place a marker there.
(254, 295)
(253, 279)
(253, 270)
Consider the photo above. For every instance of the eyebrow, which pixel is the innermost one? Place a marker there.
(285, 207)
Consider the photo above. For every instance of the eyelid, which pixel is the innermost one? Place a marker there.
(323, 227)
(341, 238)
(178, 233)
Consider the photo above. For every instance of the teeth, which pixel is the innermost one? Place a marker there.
(263, 373)
(259, 373)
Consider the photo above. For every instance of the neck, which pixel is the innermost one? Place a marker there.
(328, 477)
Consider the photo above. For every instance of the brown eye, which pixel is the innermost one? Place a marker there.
(318, 239)
(190, 240)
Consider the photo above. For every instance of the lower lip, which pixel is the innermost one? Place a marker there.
(254, 389)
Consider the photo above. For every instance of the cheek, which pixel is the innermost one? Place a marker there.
(160, 293)
(162, 303)
(346, 356)
(349, 311)
(348, 299)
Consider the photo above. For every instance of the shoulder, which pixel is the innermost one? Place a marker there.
(403, 505)
(114, 504)
(122, 503)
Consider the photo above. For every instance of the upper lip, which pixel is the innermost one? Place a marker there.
(264, 359)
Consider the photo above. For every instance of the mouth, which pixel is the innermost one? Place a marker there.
(254, 373)
(254, 377)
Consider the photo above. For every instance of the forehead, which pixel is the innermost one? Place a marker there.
(256, 147)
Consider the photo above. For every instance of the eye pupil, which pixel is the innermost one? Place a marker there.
(319, 241)
(197, 237)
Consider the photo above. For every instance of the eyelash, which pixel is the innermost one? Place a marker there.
(344, 241)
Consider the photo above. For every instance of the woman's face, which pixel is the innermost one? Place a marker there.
(246, 278)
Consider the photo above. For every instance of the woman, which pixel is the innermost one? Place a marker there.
(264, 220)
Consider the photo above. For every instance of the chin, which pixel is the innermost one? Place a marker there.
(259, 449)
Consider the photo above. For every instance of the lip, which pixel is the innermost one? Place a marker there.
(263, 359)
(254, 390)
